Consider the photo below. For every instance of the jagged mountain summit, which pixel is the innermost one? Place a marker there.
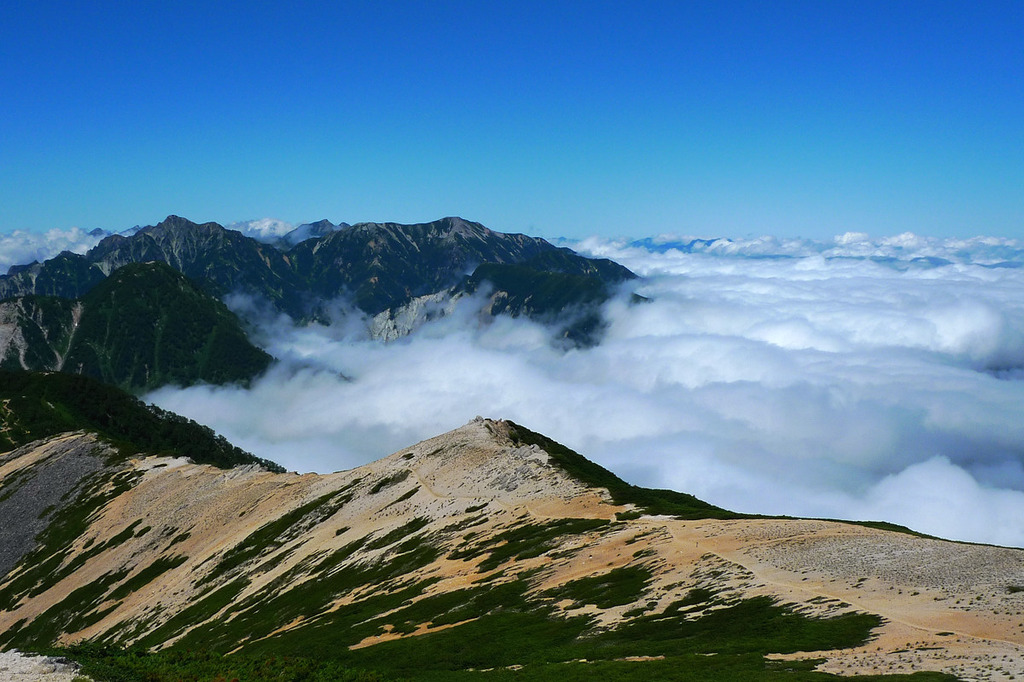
(382, 267)
(487, 547)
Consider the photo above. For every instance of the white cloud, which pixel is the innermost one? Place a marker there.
(20, 247)
(264, 229)
(936, 496)
(840, 379)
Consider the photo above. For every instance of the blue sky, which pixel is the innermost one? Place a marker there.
(559, 119)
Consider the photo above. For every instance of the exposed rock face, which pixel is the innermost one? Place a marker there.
(174, 553)
(393, 324)
(380, 266)
(17, 667)
(36, 332)
(38, 480)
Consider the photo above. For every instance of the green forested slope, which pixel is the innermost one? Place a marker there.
(36, 405)
(144, 326)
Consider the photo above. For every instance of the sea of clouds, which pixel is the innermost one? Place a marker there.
(878, 379)
(854, 378)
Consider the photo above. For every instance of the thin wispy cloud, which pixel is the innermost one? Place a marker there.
(857, 378)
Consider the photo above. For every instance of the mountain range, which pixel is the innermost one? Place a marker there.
(112, 313)
(381, 266)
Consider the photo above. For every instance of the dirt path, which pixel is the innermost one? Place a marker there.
(924, 628)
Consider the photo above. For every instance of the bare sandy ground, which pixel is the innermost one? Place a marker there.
(947, 606)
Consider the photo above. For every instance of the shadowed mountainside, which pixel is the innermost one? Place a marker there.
(36, 405)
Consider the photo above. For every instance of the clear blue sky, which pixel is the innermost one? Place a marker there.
(712, 118)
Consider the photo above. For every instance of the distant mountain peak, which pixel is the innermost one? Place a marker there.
(176, 222)
(458, 227)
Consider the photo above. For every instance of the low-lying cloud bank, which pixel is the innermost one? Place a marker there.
(858, 378)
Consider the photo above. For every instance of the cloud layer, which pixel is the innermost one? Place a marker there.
(856, 378)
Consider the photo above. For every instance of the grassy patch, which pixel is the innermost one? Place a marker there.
(692, 668)
(198, 611)
(533, 636)
(147, 575)
(405, 496)
(525, 541)
(619, 586)
(110, 664)
(390, 480)
(289, 598)
(496, 624)
(276, 533)
(48, 564)
(71, 614)
(397, 534)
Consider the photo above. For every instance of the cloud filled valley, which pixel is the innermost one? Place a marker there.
(849, 379)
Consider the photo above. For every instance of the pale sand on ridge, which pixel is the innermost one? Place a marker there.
(946, 605)
(922, 588)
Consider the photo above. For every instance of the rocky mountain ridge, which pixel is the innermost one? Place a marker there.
(442, 554)
(380, 266)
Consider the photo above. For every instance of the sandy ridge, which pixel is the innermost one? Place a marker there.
(947, 606)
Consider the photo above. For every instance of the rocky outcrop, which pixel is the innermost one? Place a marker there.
(393, 324)
(18, 667)
(36, 332)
